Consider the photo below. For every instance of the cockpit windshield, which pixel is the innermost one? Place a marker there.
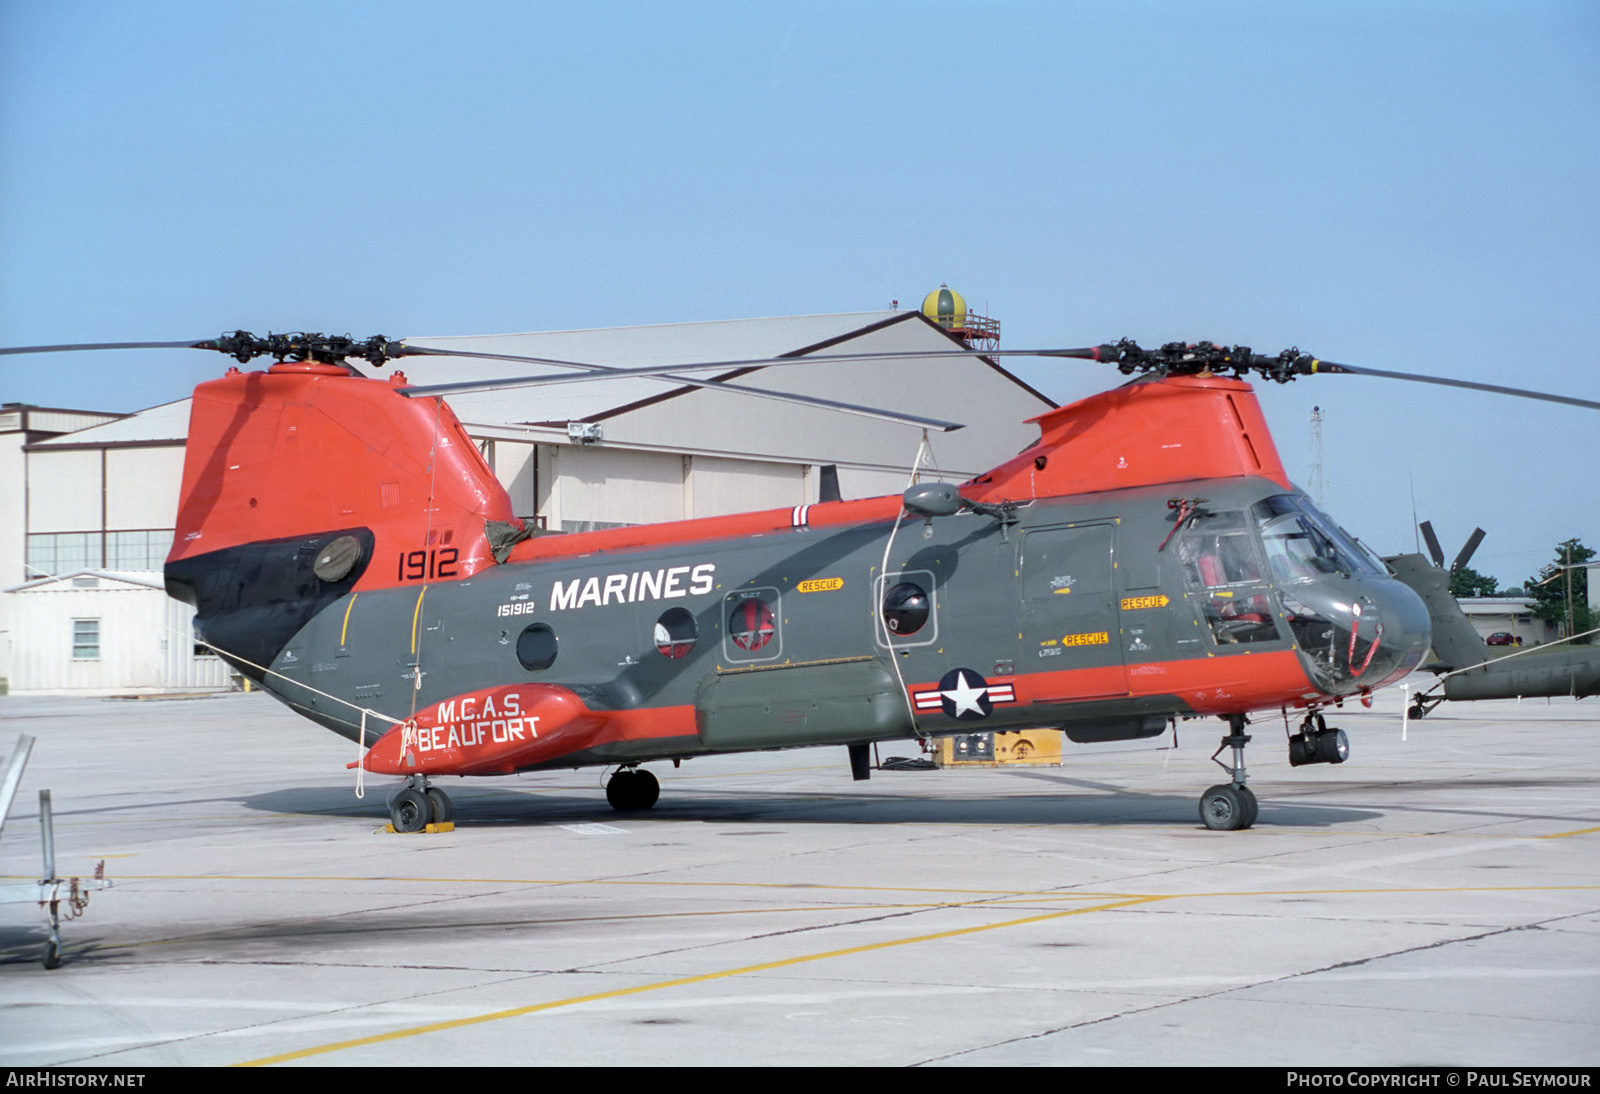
(1303, 543)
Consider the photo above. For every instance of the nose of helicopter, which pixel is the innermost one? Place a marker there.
(1359, 633)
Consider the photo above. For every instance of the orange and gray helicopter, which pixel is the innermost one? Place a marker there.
(344, 544)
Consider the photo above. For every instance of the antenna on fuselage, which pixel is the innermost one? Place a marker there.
(1317, 486)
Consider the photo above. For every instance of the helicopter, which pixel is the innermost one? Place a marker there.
(344, 544)
(1465, 668)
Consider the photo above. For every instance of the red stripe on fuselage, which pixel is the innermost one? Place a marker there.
(1203, 686)
(573, 544)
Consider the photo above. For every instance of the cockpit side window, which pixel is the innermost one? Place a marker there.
(1222, 571)
(1302, 543)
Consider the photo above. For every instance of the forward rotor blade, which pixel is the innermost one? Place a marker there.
(1281, 368)
(670, 374)
(1517, 392)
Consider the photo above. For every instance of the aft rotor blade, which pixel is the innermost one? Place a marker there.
(191, 344)
(1435, 551)
(1466, 552)
(671, 374)
(1517, 392)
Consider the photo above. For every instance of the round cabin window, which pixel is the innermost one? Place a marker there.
(675, 634)
(536, 647)
(905, 608)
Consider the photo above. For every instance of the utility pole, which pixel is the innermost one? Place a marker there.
(1567, 548)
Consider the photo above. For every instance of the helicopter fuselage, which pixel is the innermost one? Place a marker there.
(1147, 559)
(1091, 614)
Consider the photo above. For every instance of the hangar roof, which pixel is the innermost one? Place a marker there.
(632, 347)
(168, 422)
(631, 407)
(82, 580)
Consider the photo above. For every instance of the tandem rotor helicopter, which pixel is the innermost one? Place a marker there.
(344, 544)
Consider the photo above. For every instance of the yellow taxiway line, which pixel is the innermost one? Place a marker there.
(723, 974)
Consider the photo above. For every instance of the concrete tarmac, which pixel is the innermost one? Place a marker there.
(1434, 901)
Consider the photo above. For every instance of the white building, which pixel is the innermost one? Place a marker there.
(1511, 615)
(99, 503)
(100, 631)
(21, 426)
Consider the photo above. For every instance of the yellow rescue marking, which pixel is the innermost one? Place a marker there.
(1061, 592)
(821, 585)
(346, 625)
(415, 614)
(724, 974)
(1134, 603)
(1098, 638)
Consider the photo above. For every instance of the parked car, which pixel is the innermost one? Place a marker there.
(1501, 638)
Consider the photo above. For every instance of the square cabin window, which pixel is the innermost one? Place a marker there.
(85, 639)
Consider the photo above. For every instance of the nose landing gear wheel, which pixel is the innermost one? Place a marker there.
(439, 806)
(632, 789)
(1226, 807)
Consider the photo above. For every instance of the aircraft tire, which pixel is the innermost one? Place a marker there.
(52, 954)
(1222, 808)
(648, 789)
(440, 806)
(632, 790)
(1252, 808)
(409, 811)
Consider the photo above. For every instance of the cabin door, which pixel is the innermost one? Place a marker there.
(1068, 619)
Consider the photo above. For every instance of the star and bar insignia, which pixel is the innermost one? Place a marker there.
(963, 694)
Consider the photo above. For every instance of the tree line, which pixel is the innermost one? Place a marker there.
(1558, 584)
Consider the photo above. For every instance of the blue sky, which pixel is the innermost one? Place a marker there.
(1407, 186)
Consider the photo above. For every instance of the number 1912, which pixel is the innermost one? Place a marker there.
(426, 565)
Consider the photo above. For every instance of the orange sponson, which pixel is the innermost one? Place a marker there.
(1141, 434)
(494, 731)
(305, 448)
(1211, 685)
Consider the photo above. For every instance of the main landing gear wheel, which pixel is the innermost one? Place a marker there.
(1226, 807)
(632, 789)
(1230, 806)
(409, 810)
(1251, 807)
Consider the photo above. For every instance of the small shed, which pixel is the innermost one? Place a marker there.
(106, 631)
